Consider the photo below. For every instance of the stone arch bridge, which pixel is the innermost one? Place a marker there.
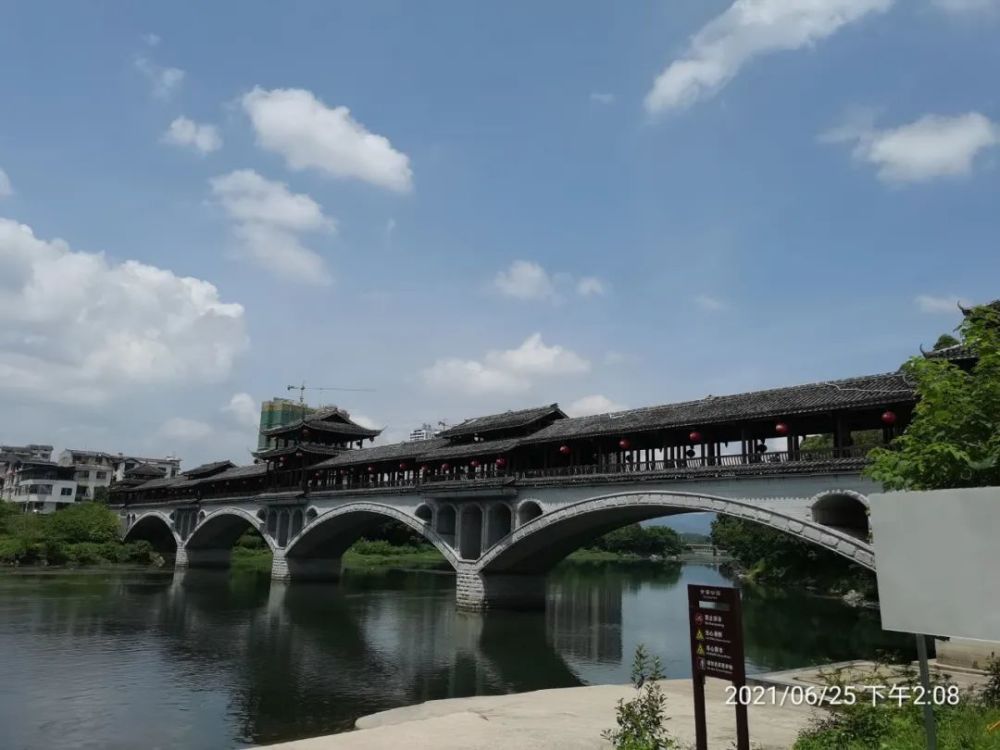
(501, 539)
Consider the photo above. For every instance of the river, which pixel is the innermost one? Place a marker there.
(140, 660)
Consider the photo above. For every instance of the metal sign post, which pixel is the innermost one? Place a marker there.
(716, 620)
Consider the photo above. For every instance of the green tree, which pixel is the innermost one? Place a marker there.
(84, 522)
(953, 439)
(641, 540)
(944, 341)
(101, 495)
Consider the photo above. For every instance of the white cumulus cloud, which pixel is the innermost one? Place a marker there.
(185, 132)
(76, 327)
(595, 404)
(591, 286)
(505, 371)
(311, 135)
(929, 148)
(244, 410)
(162, 80)
(528, 280)
(525, 280)
(267, 220)
(6, 189)
(745, 30)
(602, 97)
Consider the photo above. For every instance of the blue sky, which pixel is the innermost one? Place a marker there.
(470, 207)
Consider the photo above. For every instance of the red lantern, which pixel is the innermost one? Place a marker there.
(281, 460)
(501, 462)
(402, 466)
(371, 469)
(445, 467)
(781, 428)
(423, 467)
(316, 475)
(624, 444)
(564, 449)
(888, 417)
(695, 436)
(473, 463)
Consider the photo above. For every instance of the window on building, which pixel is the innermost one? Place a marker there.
(102, 475)
(66, 491)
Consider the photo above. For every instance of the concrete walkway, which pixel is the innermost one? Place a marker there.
(567, 718)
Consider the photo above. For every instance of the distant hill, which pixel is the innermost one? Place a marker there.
(691, 538)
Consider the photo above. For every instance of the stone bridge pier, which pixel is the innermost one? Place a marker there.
(501, 544)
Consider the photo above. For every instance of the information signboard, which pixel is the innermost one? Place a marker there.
(716, 620)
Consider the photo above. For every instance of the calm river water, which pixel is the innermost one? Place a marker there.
(144, 660)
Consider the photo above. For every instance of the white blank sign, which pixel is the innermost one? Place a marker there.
(937, 559)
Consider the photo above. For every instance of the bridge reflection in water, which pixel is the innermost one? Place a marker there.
(205, 659)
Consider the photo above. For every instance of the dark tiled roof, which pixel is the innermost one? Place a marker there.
(872, 390)
(313, 448)
(507, 420)
(341, 428)
(390, 452)
(163, 483)
(956, 352)
(485, 448)
(238, 472)
(330, 419)
(147, 470)
(199, 472)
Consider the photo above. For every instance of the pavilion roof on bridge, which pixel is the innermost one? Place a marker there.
(391, 452)
(330, 420)
(482, 448)
(313, 449)
(207, 470)
(812, 398)
(508, 420)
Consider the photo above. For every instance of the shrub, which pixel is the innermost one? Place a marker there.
(84, 522)
(12, 550)
(990, 693)
(84, 553)
(379, 547)
(640, 720)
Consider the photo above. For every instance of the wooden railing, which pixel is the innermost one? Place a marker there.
(291, 480)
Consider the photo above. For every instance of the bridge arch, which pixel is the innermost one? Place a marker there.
(846, 510)
(154, 527)
(220, 529)
(539, 543)
(330, 534)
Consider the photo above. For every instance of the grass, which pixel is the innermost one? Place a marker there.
(963, 727)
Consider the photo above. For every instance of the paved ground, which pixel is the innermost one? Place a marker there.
(570, 718)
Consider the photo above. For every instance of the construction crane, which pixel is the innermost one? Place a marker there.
(303, 388)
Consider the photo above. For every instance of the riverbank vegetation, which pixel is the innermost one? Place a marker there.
(396, 543)
(972, 722)
(82, 534)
